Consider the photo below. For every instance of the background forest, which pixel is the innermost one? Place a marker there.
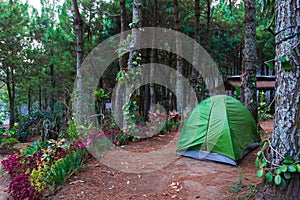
(38, 46)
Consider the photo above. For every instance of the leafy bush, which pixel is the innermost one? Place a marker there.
(65, 167)
(30, 167)
(6, 140)
(170, 126)
(48, 123)
(19, 168)
(263, 108)
(20, 188)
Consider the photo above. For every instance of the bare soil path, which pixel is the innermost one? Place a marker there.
(184, 178)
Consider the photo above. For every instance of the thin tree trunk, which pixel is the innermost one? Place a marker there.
(45, 99)
(179, 61)
(79, 48)
(122, 61)
(196, 51)
(11, 99)
(52, 100)
(137, 23)
(286, 135)
(248, 87)
(29, 100)
(153, 58)
(122, 64)
(230, 4)
(208, 4)
(40, 97)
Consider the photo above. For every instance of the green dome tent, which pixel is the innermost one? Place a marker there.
(220, 129)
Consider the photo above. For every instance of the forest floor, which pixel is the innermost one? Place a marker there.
(184, 178)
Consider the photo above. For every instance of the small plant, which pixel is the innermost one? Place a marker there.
(263, 108)
(65, 167)
(7, 140)
(276, 173)
(238, 184)
(19, 168)
(170, 126)
(251, 191)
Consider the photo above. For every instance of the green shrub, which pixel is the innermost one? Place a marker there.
(65, 167)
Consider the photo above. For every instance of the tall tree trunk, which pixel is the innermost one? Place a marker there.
(11, 99)
(137, 23)
(153, 59)
(122, 61)
(196, 52)
(45, 99)
(40, 97)
(248, 87)
(208, 4)
(79, 49)
(122, 64)
(29, 101)
(286, 135)
(52, 100)
(230, 4)
(179, 61)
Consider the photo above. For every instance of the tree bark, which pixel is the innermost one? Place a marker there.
(52, 101)
(153, 59)
(40, 97)
(179, 61)
(122, 61)
(248, 87)
(11, 96)
(29, 100)
(122, 64)
(79, 49)
(208, 4)
(136, 24)
(285, 138)
(199, 93)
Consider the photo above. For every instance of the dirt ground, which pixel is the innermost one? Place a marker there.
(183, 178)
(180, 178)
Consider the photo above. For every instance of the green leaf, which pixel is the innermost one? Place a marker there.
(277, 179)
(293, 53)
(263, 164)
(287, 175)
(260, 173)
(282, 183)
(270, 64)
(281, 59)
(257, 162)
(283, 168)
(292, 168)
(298, 167)
(259, 153)
(286, 66)
(263, 143)
(288, 160)
(278, 171)
(269, 177)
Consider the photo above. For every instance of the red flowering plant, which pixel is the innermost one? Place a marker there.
(29, 167)
(19, 168)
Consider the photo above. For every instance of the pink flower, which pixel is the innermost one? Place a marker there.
(117, 142)
(80, 145)
(89, 141)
